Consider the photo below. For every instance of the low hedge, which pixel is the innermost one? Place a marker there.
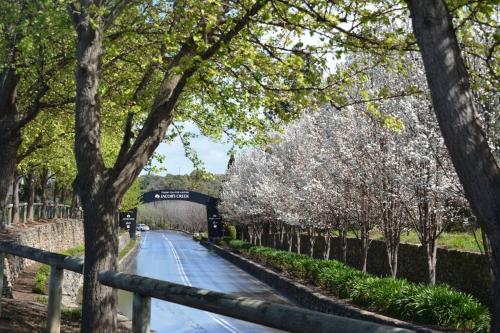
(429, 305)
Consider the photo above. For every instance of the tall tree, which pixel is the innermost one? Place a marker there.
(31, 61)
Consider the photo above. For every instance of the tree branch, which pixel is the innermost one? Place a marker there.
(162, 113)
(35, 108)
(126, 139)
(115, 12)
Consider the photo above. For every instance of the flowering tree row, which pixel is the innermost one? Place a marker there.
(373, 165)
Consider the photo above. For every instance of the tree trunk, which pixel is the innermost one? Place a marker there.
(251, 234)
(75, 204)
(8, 160)
(62, 201)
(10, 133)
(298, 234)
(392, 258)
(101, 251)
(328, 245)
(456, 112)
(258, 231)
(95, 188)
(15, 200)
(289, 238)
(54, 200)
(343, 245)
(31, 197)
(312, 241)
(43, 194)
(431, 253)
(274, 229)
(365, 246)
(282, 234)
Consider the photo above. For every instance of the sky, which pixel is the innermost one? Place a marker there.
(212, 153)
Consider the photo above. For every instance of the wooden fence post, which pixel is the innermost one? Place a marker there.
(55, 298)
(25, 212)
(141, 313)
(2, 257)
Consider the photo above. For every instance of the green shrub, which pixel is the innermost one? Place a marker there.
(447, 307)
(71, 314)
(226, 240)
(340, 281)
(200, 237)
(231, 232)
(41, 280)
(433, 305)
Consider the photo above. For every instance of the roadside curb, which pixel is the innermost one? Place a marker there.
(305, 296)
(127, 258)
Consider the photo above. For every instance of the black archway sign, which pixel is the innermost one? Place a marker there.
(213, 218)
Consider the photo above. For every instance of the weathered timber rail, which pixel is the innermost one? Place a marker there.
(284, 317)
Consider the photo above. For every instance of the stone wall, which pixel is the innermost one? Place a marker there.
(465, 271)
(54, 236)
(73, 282)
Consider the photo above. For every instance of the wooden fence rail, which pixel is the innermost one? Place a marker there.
(284, 317)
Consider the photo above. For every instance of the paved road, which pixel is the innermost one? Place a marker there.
(175, 257)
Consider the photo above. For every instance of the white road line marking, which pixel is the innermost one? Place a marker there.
(225, 324)
(178, 262)
(184, 277)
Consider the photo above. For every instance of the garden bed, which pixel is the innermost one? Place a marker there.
(427, 305)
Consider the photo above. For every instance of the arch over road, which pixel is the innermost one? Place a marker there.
(213, 217)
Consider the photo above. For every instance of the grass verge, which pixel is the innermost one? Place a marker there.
(126, 249)
(429, 305)
(463, 241)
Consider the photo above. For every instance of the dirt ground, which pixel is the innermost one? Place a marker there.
(20, 316)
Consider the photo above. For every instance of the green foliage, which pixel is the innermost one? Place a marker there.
(79, 249)
(132, 197)
(71, 314)
(202, 182)
(432, 305)
(41, 280)
(230, 231)
(200, 236)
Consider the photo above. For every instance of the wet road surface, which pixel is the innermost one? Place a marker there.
(175, 257)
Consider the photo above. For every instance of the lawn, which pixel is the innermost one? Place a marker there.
(463, 241)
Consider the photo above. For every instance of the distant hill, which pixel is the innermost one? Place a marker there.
(209, 184)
